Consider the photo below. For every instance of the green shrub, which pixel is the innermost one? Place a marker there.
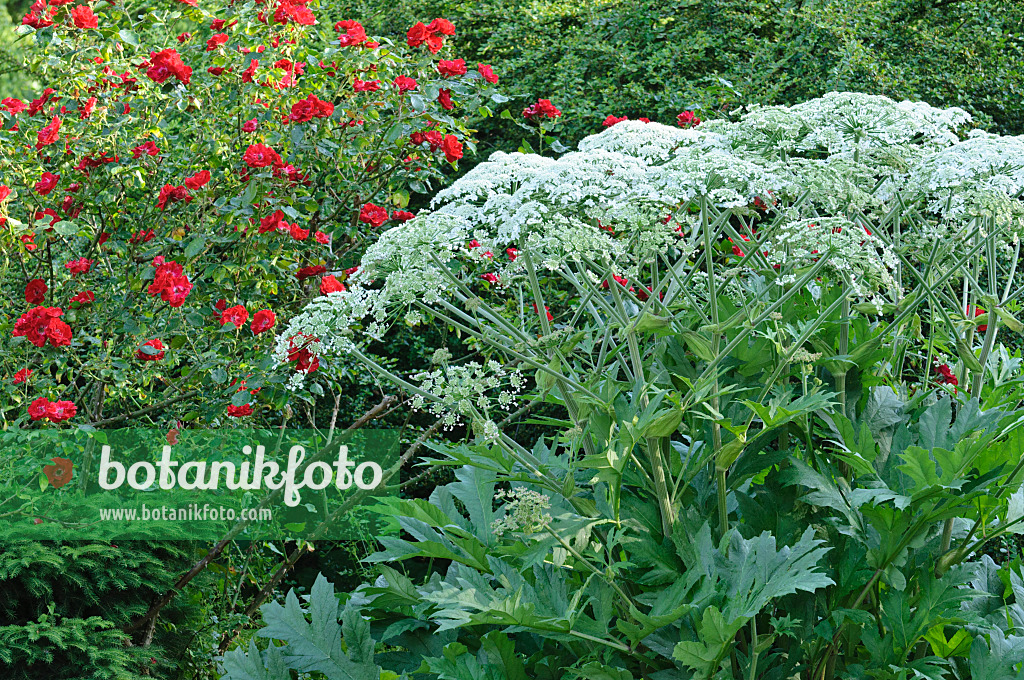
(655, 58)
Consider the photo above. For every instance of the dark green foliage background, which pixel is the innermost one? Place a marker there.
(655, 58)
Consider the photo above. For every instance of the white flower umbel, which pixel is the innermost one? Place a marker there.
(858, 258)
(468, 389)
(980, 177)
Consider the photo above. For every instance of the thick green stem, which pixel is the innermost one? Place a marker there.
(723, 508)
(844, 349)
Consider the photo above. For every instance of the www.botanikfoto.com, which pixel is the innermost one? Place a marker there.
(189, 513)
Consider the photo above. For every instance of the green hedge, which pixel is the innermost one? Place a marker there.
(655, 58)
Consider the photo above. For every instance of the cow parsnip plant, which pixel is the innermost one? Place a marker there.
(788, 429)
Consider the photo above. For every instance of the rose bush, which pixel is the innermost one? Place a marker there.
(182, 183)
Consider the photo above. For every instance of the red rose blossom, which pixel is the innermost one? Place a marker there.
(330, 284)
(307, 272)
(405, 84)
(542, 108)
(22, 376)
(263, 320)
(84, 17)
(261, 156)
(454, 67)
(41, 324)
(216, 41)
(198, 180)
(687, 119)
(237, 315)
(239, 411)
(79, 266)
(366, 85)
(452, 148)
(35, 292)
(487, 72)
(167, 63)
(169, 283)
(86, 297)
(49, 134)
(154, 353)
(374, 215)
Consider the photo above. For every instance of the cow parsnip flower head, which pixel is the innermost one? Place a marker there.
(842, 123)
(652, 141)
(980, 177)
(606, 205)
(857, 256)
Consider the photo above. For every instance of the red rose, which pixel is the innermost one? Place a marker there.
(37, 409)
(687, 119)
(86, 297)
(402, 216)
(543, 107)
(35, 292)
(155, 351)
(12, 105)
(307, 272)
(612, 120)
(40, 324)
(263, 320)
(83, 17)
(172, 194)
(142, 236)
(239, 411)
(435, 139)
(36, 105)
(298, 233)
(322, 238)
(512, 254)
(79, 266)
(455, 67)
(294, 11)
(272, 222)
(216, 41)
(22, 376)
(260, 156)
(366, 85)
(417, 35)
(330, 284)
(198, 180)
(49, 134)
(167, 63)
(444, 98)
(489, 277)
(487, 72)
(352, 32)
(946, 376)
(442, 26)
(49, 212)
(58, 411)
(250, 71)
(147, 149)
(374, 215)
(452, 148)
(86, 109)
(60, 472)
(170, 283)
(236, 315)
(250, 125)
(405, 84)
(305, 360)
